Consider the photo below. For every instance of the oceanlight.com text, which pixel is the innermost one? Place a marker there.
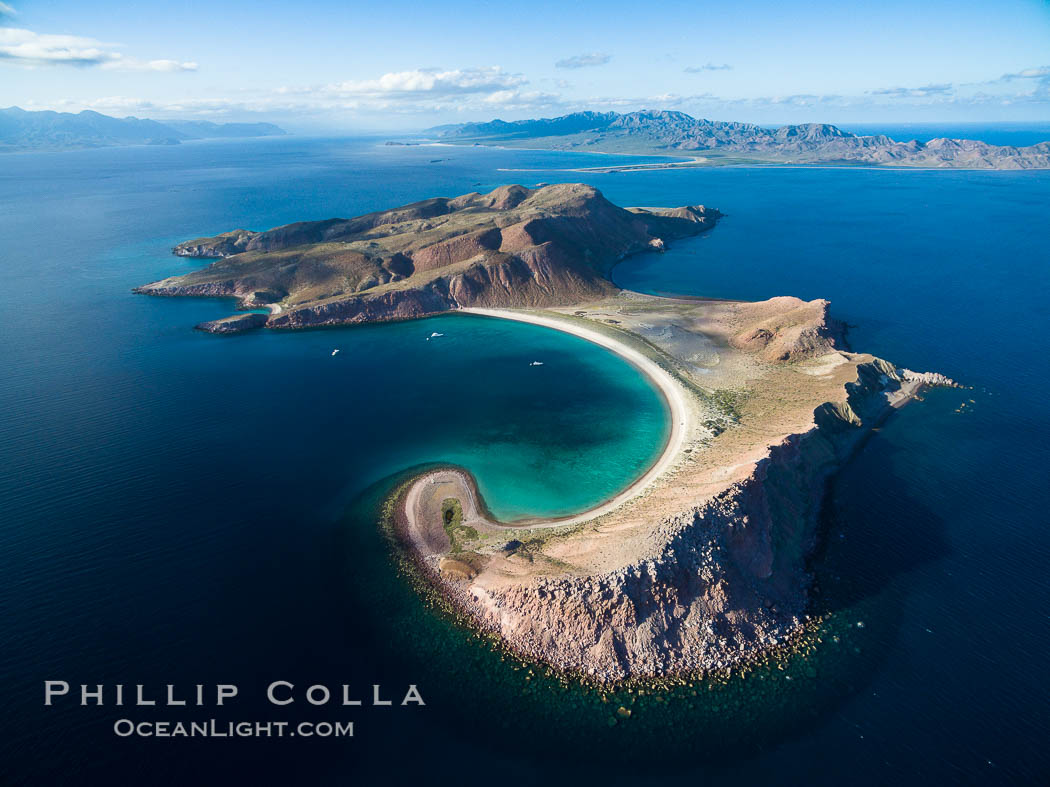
(212, 728)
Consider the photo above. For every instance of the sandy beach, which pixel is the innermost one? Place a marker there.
(422, 521)
(670, 389)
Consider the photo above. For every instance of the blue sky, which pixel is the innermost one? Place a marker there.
(317, 64)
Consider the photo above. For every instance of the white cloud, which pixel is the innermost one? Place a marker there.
(180, 108)
(421, 92)
(25, 47)
(416, 91)
(584, 61)
(120, 63)
(6, 10)
(428, 84)
(1027, 73)
(31, 48)
(522, 101)
(425, 95)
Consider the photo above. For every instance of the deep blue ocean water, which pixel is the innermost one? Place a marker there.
(183, 508)
(1020, 134)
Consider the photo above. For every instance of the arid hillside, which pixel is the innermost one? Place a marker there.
(549, 246)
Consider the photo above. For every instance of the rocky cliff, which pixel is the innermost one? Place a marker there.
(731, 580)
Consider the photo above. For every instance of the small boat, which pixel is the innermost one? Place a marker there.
(435, 334)
(536, 363)
(335, 352)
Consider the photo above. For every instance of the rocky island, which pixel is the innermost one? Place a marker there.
(699, 565)
(519, 247)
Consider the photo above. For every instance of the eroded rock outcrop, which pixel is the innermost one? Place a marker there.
(225, 245)
(237, 323)
(805, 330)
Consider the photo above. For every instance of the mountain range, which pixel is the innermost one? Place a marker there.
(21, 130)
(719, 142)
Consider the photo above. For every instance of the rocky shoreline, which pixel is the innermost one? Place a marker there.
(728, 585)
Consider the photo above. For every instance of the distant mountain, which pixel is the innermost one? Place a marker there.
(719, 142)
(22, 130)
(202, 129)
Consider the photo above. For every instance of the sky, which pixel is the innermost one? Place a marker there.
(328, 65)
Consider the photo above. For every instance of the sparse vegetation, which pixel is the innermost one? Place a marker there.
(728, 401)
(452, 519)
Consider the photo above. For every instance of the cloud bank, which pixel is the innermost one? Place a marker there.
(482, 93)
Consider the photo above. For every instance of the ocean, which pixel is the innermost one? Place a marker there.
(1019, 134)
(184, 508)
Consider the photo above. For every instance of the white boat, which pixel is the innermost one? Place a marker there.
(536, 363)
(335, 352)
(435, 334)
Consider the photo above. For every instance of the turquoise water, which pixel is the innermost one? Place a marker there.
(179, 507)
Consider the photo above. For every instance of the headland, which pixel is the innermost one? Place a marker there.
(699, 565)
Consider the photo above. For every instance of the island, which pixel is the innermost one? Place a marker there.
(693, 142)
(701, 563)
(515, 246)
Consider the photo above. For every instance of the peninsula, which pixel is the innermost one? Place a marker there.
(699, 142)
(701, 563)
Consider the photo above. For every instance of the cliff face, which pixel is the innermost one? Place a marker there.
(225, 245)
(730, 582)
(512, 247)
